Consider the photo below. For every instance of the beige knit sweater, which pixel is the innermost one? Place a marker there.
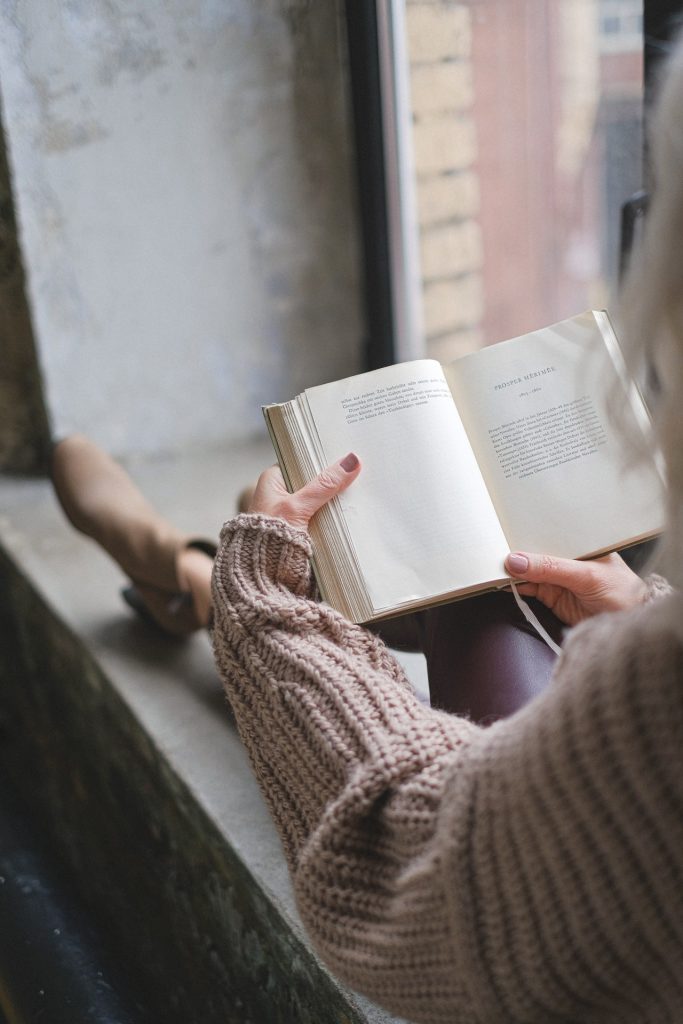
(531, 871)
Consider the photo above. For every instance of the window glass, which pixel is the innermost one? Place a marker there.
(526, 120)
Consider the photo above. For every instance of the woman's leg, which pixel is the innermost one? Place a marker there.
(170, 571)
(483, 659)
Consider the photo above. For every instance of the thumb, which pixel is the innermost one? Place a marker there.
(562, 572)
(325, 486)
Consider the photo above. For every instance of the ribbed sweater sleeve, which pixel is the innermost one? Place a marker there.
(352, 767)
(529, 872)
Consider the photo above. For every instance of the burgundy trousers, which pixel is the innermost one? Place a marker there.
(484, 660)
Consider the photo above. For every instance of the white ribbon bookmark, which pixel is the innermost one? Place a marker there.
(532, 620)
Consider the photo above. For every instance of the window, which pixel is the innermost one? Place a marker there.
(526, 138)
(497, 141)
(620, 25)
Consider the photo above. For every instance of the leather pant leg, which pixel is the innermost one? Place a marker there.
(484, 660)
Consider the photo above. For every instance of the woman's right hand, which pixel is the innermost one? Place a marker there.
(576, 590)
(271, 497)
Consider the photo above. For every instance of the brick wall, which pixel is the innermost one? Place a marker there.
(439, 35)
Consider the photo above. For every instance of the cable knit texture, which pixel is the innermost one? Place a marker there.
(529, 872)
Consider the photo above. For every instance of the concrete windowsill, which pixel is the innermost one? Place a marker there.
(169, 691)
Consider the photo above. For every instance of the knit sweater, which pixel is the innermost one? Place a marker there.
(531, 871)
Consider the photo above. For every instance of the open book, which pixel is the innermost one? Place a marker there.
(510, 448)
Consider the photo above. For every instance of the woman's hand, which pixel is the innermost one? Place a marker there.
(576, 590)
(271, 497)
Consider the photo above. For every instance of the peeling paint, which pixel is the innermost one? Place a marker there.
(132, 57)
(59, 136)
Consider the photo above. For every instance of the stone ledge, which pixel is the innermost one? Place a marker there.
(122, 743)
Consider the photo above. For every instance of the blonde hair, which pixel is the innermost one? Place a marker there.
(651, 307)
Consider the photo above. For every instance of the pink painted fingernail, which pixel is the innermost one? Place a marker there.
(349, 462)
(518, 564)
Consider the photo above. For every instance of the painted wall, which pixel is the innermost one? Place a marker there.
(182, 177)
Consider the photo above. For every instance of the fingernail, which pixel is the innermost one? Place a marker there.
(349, 462)
(517, 564)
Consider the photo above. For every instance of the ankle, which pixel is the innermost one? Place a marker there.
(194, 570)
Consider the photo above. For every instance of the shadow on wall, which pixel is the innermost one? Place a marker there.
(24, 429)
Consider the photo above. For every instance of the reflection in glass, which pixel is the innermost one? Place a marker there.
(526, 130)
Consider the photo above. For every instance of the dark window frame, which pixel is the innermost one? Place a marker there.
(661, 20)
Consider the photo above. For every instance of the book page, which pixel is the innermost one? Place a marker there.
(419, 516)
(536, 412)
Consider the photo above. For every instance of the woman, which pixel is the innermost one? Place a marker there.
(529, 871)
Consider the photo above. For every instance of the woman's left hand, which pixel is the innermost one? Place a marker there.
(575, 590)
(271, 497)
